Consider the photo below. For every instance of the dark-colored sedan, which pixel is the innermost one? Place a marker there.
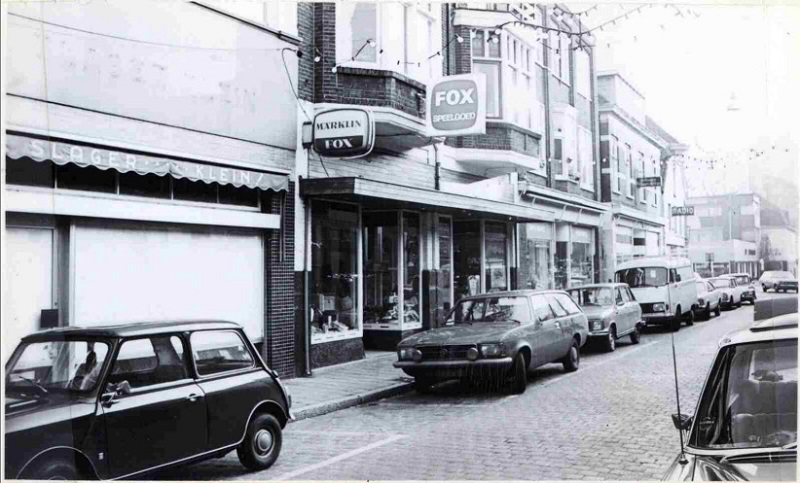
(612, 310)
(779, 280)
(497, 336)
(120, 401)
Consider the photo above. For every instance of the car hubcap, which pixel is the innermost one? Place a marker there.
(263, 441)
(573, 355)
(611, 342)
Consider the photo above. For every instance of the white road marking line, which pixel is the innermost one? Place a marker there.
(604, 361)
(341, 457)
(333, 433)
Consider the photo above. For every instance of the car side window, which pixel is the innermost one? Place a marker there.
(555, 306)
(673, 276)
(567, 303)
(630, 294)
(148, 361)
(217, 351)
(541, 308)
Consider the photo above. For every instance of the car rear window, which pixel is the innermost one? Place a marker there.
(218, 351)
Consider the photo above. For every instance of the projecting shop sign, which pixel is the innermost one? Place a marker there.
(683, 211)
(456, 105)
(648, 182)
(343, 133)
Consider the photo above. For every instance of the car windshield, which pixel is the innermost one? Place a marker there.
(491, 309)
(720, 283)
(742, 279)
(782, 275)
(62, 365)
(643, 277)
(701, 287)
(751, 398)
(593, 296)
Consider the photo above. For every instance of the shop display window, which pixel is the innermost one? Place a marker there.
(562, 260)
(496, 235)
(467, 258)
(444, 284)
(535, 265)
(334, 281)
(581, 256)
(381, 260)
(412, 273)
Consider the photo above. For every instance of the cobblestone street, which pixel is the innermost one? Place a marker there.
(608, 421)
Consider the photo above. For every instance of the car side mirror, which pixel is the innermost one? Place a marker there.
(682, 421)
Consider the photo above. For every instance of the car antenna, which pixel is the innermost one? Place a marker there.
(682, 459)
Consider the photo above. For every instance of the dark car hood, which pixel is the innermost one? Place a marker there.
(706, 468)
(597, 311)
(463, 334)
(24, 412)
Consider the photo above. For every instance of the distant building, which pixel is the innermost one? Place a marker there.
(724, 234)
(778, 239)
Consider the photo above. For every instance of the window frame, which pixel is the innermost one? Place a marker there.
(191, 371)
(197, 373)
(344, 26)
(614, 155)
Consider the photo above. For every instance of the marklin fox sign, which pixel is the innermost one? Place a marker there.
(456, 105)
(343, 133)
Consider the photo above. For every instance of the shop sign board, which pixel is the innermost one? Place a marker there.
(683, 211)
(456, 105)
(343, 133)
(648, 182)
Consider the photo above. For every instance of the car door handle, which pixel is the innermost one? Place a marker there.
(193, 397)
(558, 324)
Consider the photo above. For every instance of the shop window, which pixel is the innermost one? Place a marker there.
(73, 177)
(467, 258)
(241, 196)
(582, 256)
(561, 265)
(496, 257)
(188, 190)
(381, 250)
(444, 286)
(534, 256)
(150, 185)
(334, 271)
(412, 274)
(27, 172)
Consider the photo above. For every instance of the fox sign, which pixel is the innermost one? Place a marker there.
(456, 105)
(343, 133)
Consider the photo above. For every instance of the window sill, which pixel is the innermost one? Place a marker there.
(588, 188)
(561, 177)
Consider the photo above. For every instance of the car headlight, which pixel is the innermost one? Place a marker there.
(406, 353)
(596, 324)
(491, 350)
(701, 301)
(659, 308)
(724, 296)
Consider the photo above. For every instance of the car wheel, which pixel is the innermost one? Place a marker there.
(690, 318)
(55, 469)
(262, 443)
(718, 310)
(707, 314)
(636, 336)
(675, 323)
(573, 358)
(611, 341)
(423, 385)
(519, 378)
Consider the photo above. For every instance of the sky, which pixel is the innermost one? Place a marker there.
(723, 79)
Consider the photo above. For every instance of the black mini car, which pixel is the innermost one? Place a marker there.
(121, 401)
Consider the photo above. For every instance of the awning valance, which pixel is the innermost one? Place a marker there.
(62, 153)
(384, 195)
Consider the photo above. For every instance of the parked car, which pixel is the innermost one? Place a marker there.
(745, 424)
(730, 295)
(709, 299)
(119, 401)
(747, 292)
(664, 287)
(612, 311)
(497, 336)
(778, 280)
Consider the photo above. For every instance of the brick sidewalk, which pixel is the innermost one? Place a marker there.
(341, 386)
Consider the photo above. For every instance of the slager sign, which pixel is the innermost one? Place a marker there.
(456, 105)
(343, 133)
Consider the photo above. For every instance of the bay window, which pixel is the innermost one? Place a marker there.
(585, 158)
(583, 74)
(615, 163)
(357, 23)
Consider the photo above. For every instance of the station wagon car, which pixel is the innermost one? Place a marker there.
(612, 311)
(745, 425)
(120, 401)
(497, 337)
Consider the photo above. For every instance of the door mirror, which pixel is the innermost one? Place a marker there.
(682, 421)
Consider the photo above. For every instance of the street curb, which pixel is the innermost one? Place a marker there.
(350, 401)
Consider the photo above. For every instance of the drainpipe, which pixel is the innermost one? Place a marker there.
(306, 298)
(547, 117)
(437, 167)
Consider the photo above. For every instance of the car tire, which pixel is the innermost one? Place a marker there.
(572, 360)
(610, 344)
(519, 376)
(55, 469)
(718, 310)
(262, 443)
(707, 314)
(423, 385)
(675, 323)
(636, 336)
(690, 318)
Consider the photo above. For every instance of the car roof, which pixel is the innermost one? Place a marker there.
(780, 327)
(131, 329)
(669, 262)
(598, 285)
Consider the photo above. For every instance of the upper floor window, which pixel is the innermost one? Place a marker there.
(615, 163)
(357, 24)
(585, 158)
(629, 170)
(583, 74)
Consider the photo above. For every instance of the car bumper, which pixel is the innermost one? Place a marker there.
(454, 369)
(750, 296)
(658, 318)
(782, 286)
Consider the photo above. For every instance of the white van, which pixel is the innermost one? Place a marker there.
(664, 287)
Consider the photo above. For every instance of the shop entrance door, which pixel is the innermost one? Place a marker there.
(29, 282)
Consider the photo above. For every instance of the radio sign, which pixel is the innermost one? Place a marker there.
(683, 211)
(456, 105)
(648, 182)
(343, 133)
